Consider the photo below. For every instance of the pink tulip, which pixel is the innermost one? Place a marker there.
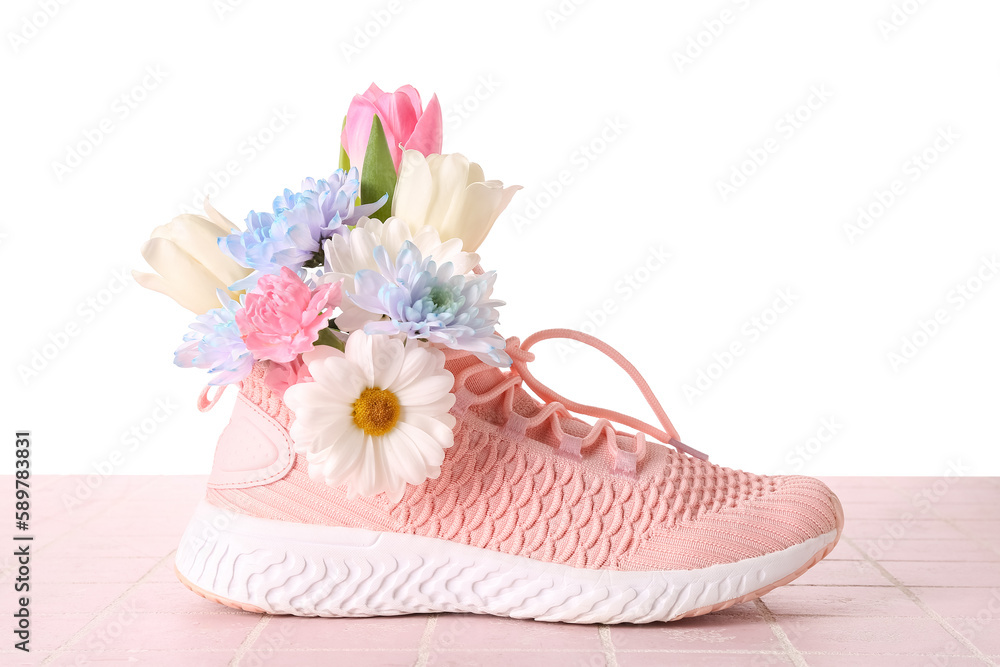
(281, 318)
(406, 125)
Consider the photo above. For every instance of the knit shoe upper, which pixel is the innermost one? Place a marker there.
(522, 479)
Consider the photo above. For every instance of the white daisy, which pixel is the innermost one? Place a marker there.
(345, 256)
(376, 416)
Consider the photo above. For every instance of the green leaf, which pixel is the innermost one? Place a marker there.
(345, 161)
(378, 175)
(327, 337)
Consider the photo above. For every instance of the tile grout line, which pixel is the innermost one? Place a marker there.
(969, 534)
(43, 547)
(794, 585)
(604, 633)
(666, 651)
(782, 637)
(959, 637)
(424, 649)
(248, 641)
(104, 613)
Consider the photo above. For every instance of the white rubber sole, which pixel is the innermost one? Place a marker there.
(277, 567)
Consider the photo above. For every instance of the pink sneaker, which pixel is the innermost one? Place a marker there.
(535, 514)
(383, 456)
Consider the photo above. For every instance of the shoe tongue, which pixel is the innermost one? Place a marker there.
(483, 379)
(486, 377)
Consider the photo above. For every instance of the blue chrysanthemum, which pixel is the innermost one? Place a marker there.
(427, 301)
(293, 234)
(214, 343)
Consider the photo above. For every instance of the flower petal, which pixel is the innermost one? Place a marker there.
(416, 365)
(428, 134)
(425, 389)
(219, 220)
(357, 127)
(188, 281)
(483, 203)
(399, 118)
(352, 317)
(403, 457)
(413, 95)
(430, 437)
(451, 175)
(345, 457)
(387, 359)
(414, 190)
(394, 234)
(360, 353)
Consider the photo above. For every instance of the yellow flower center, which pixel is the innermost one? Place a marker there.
(376, 411)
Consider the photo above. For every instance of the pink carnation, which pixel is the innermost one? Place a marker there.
(281, 318)
(280, 376)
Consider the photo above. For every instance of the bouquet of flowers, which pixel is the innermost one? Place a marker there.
(348, 293)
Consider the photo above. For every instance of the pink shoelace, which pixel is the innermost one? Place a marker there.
(557, 406)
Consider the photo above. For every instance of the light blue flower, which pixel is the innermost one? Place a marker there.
(214, 343)
(334, 198)
(293, 234)
(427, 301)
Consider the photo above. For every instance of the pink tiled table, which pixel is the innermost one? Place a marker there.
(914, 581)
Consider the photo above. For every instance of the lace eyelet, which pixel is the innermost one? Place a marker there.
(515, 427)
(571, 446)
(625, 462)
(463, 401)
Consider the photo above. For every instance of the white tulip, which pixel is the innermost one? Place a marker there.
(188, 263)
(450, 194)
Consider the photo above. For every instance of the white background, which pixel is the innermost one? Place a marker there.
(525, 90)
